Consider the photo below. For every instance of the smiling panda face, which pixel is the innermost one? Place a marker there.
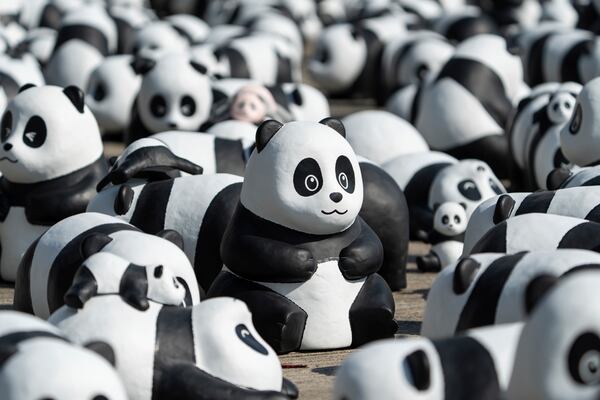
(47, 132)
(306, 178)
(468, 182)
(450, 219)
(175, 95)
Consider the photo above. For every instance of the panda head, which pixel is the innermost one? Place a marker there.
(91, 20)
(44, 365)
(338, 59)
(105, 273)
(562, 103)
(468, 182)
(47, 132)
(157, 39)
(558, 356)
(304, 176)
(580, 137)
(450, 219)
(175, 95)
(230, 348)
(111, 91)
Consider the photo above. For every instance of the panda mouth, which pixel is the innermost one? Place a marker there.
(334, 212)
(9, 160)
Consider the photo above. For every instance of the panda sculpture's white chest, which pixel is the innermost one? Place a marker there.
(16, 234)
(326, 298)
(448, 251)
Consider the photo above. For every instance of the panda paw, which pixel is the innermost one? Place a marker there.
(429, 263)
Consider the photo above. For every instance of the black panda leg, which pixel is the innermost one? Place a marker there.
(277, 319)
(429, 263)
(372, 313)
(187, 382)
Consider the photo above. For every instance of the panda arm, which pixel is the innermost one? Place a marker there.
(362, 257)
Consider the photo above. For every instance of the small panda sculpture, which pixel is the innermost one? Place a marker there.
(423, 369)
(50, 264)
(449, 225)
(491, 289)
(317, 286)
(51, 160)
(209, 351)
(38, 362)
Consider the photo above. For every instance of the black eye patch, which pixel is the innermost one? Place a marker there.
(158, 106)
(245, 336)
(100, 92)
(35, 132)
(308, 179)
(584, 359)
(469, 190)
(344, 174)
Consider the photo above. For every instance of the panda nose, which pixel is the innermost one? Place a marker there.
(7, 146)
(172, 125)
(336, 197)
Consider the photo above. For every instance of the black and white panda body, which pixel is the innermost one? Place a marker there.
(464, 23)
(490, 289)
(51, 160)
(48, 267)
(311, 241)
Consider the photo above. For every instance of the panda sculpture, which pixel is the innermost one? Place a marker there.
(473, 366)
(50, 264)
(317, 286)
(51, 160)
(129, 20)
(38, 362)
(481, 80)
(573, 176)
(17, 72)
(209, 351)
(534, 133)
(464, 23)
(523, 233)
(175, 94)
(491, 289)
(157, 39)
(577, 202)
(449, 225)
(85, 37)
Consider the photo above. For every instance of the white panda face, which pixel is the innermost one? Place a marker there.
(44, 135)
(307, 178)
(580, 137)
(338, 59)
(174, 96)
(468, 182)
(561, 107)
(230, 348)
(450, 219)
(111, 92)
(163, 286)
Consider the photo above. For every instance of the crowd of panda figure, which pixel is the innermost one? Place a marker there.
(240, 220)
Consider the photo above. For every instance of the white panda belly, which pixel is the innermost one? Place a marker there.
(326, 298)
(448, 251)
(16, 235)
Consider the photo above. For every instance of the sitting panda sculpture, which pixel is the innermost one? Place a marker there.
(38, 362)
(296, 251)
(51, 160)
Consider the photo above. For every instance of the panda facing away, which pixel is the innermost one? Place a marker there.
(296, 251)
(50, 159)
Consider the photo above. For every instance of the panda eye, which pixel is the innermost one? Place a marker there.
(445, 220)
(345, 173)
(188, 106)
(34, 134)
(497, 189)
(100, 397)
(456, 219)
(158, 106)
(245, 336)
(584, 359)
(308, 179)
(99, 92)
(468, 188)
(6, 126)
(576, 120)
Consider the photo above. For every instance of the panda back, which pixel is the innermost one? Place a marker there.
(555, 62)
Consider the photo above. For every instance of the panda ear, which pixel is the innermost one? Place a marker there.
(133, 288)
(104, 350)
(142, 66)
(436, 206)
(83, 288)
(334, 124)
(537, 289)
(92, 244)
(172, 236)
(265, 132)
(199, 67)
(420, 370)
(463, 205)
(26, 86)
(76, 96)
(297, 97)
(464, 274)
(504, 207)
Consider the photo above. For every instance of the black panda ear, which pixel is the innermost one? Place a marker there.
(76, 96)
(104, 350)
(199, 67)
(463, 205)
(334, 124)
(142, 66)
(172, 236)
(420, 370)
(537, 289)
(265, 132)
(436, 206)
(26, 86)
(504, 207)
(93, 243)
(297, 97)
(464, 274)
(83, 288)
(133, 288)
